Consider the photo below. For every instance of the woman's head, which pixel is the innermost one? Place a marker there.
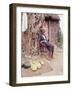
(42, 30)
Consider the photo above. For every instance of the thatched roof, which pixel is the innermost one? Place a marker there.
(52, 17)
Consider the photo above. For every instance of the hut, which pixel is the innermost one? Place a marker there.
(34, 21)
(53, 26)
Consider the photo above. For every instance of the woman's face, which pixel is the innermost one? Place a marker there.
(43, 31)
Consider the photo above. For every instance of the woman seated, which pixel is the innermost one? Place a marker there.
(45, 42)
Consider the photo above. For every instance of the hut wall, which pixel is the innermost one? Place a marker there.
(29, 37)
(53, 29)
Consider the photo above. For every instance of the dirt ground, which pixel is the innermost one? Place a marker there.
(56, 63)
(51, 66)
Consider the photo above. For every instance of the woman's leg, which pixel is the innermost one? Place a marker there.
(52, 51)
(50, 48)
